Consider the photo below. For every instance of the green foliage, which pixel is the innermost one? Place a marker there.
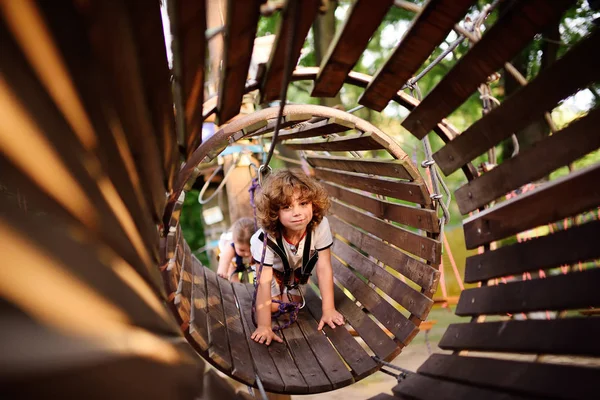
(191, 224)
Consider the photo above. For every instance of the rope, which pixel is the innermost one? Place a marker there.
(287, 73)
(261, 388)
(220, 187)
(403, 372)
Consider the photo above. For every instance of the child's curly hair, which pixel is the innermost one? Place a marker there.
(278, 191)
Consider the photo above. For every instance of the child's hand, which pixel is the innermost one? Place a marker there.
(264, 334)
(222, 271)
(331, 317)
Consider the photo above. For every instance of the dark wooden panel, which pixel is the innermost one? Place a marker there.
(240, 30)
(421, 218)
(184, 291)
(265, 369)
(362, 20)
(574, 336)
(321, 128)
(550, 202)
(422, 274)
(403, 190)
(560, 149)
(218, 342)
(429, 28)
(70, 35)
(392, 319)
(500, 43)
(309, 367)
(531, 378)
(305, 12)
(391, 168)
(113, 44)
(354, 355)
(243, 368)
(198, 317)
(409, 298)
(325, 354)
(188, 32)
(288, 370)
(515, 113)
(420, 387)
(260, 128)
(562, 292)
(421, 246)
(358, 142)
(565, 247)
(155, 74)
(58, 255)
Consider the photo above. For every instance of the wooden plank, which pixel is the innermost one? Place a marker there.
(188, 33)
(421, 218)
(519, 110)
(155, 75)
(305, 12)
(362, 20)
(561, 248)
(374, 166)
(381, 344)
(572, 336)
(290, 374)
(417, 303)
(420, 387)
(422, 274)
(403, 190)
(315, 377)
(322, 128)
(354, 355)
(515, 28)
(429, 28)
(49, 252)
(218, 343)
(243, 368)
(92, 100)
(324, 352)
(403, 329)
(421, 246)
(240, 30)
(552, 201)
(534, 379)
(115, 50)
(358, 142)
(184, 291)
(534, 295)
(260, 128)
(198, 317)
(263, 363)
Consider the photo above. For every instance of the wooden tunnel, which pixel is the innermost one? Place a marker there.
(100, 293)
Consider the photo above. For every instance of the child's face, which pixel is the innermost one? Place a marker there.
(242, 249)
(296, 216)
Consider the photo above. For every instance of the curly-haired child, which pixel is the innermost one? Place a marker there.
(234, 247)
(290, 208)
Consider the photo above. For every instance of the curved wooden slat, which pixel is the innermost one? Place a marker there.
(421, 246)
(573, 336)
(363, 19)
(429, 28)
(241, 25)
(500, 43)
(416, 217)
(358, 142)
(517, 111)
(552, 201)
(403, 190)
(374, 166)
(566, 247)
(321, 128)
(218, 342)
(422, 274)
(198, 329)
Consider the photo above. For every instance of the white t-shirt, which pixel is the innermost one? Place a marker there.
(321, 240)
